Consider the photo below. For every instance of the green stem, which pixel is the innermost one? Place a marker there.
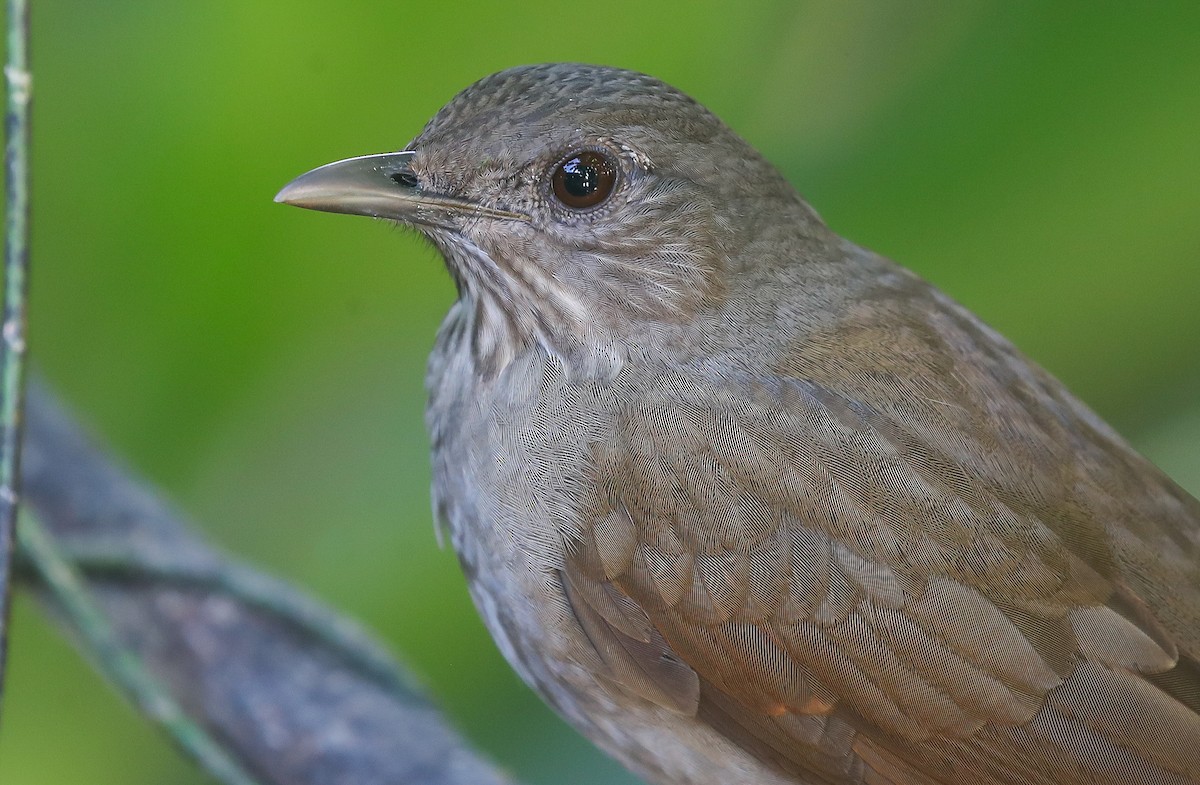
(12, 322)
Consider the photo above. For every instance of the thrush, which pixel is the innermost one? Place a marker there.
(747, 503)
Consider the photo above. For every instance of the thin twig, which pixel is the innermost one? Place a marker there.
(12, 324)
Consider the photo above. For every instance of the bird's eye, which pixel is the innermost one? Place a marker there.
(584, 179)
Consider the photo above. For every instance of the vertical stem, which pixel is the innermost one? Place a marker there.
(12, 324)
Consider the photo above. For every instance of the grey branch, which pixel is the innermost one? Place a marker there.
(295, 693)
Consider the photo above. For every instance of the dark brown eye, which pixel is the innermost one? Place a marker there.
(584, 179)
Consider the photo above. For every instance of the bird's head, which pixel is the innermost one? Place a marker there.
(570, 198)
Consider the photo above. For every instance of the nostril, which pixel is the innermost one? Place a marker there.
(405, 178)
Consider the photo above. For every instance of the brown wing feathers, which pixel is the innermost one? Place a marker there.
(773, 555)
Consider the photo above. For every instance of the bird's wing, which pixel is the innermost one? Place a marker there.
(868, 577)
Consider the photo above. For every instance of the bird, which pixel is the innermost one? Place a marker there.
(748, 503)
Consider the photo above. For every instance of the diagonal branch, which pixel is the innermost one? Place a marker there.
(294, 693)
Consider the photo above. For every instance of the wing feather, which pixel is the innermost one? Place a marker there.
(958, 592)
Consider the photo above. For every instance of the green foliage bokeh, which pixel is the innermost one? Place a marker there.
(263, 365)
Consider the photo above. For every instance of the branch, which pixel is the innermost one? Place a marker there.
(294, 693)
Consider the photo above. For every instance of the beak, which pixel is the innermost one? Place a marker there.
(382, 186)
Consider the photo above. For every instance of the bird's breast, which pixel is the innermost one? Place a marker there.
(508, 455)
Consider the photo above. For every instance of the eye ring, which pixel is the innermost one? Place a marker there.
(584, 179)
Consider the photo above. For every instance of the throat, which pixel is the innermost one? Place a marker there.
(498, 335)
(508, 309)
(501, 313)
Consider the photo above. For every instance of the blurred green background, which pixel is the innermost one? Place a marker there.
(263, 365)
